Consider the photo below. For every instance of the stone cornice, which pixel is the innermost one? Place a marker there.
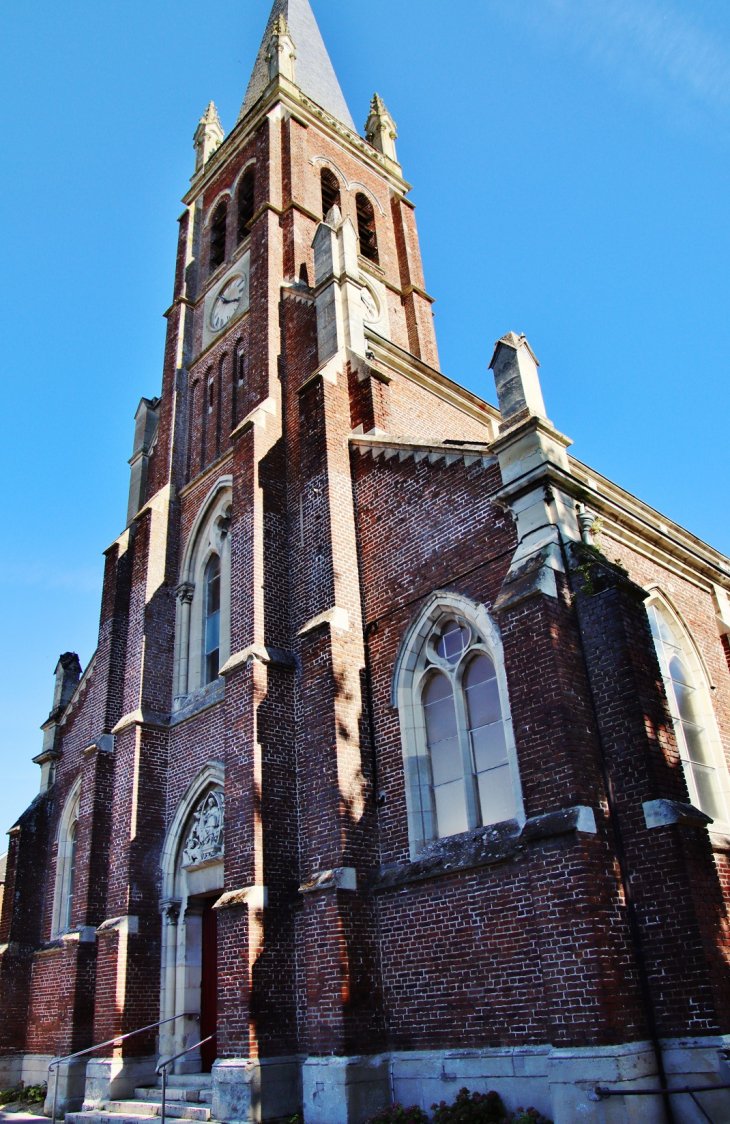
(645, 530)
(403, 363)
(383, 445)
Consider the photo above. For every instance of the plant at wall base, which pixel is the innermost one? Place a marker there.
(397, 1114)
(471, 1108)
(23, 1096)
(529, 1116)
(483, 1108)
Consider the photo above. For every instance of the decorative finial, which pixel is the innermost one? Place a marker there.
(208, 136)
(333, 217)
(281, 53)
(380, 128)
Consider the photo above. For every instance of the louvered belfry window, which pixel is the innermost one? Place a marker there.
(245, 203)
(218, 236)
(330, 191)
(366, 227)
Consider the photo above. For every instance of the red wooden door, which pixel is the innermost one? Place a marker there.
(209, 985)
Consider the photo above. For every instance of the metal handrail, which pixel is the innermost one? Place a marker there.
(109, 1042)
(162, 1068)
(601, 1092)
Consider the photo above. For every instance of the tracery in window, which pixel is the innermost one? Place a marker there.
(451, 692)
(245, 203)
(66, 850)
(366, 227)
(218, 226)
(688, 708)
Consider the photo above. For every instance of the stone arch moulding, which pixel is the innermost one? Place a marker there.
(234, 186)
(698, 667)
(211, 209)
(658, 594)
(68, 816)
(350, 185)
(410, 666)
(222, 484)
(211, 775)
(181, 907)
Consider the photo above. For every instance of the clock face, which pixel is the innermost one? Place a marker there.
(226, 303)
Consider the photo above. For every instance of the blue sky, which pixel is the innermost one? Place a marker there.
(571, 173)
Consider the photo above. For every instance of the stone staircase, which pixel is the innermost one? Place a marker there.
(187, 1097)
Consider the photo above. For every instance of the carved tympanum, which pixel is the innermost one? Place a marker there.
(205, 839)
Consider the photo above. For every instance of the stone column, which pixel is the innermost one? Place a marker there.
(184, 594)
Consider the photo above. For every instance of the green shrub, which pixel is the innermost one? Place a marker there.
(397, 1114)
(529, 1116)
(471, 1108)
(33, 1093)
(8, 1095)
(468, 1108)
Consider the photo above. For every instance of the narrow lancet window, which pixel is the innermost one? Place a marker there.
(212, 618)
(366, 227)
(487, 738)
(62, 918)
(686, 708)
(447, 769)
(70, 876)
(218, 235)
(245, 204)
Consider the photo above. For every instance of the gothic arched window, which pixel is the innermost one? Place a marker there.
(689, 708)
(218, 226)
(330, 191)
(245, 203)
(366, 227)
(203, 625)
(451, 692)
(212, 618)
(66, 864)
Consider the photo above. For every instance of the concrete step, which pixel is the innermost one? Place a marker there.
(173, 1093)
(180, 1110)
(206, 1096)
(195, 1079)
(101, 1116)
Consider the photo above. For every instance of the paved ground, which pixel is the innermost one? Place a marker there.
(26, 1117)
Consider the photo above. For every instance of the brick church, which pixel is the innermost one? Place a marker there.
(402, 760)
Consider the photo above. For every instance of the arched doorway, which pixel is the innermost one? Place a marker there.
(192, 882)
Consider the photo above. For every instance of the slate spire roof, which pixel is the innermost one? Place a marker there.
(314, 72)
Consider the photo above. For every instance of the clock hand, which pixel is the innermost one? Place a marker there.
(229, 300)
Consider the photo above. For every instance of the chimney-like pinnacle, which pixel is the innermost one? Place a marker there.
(281, 54)
(518, 384)
(208, 136)
(380, 128)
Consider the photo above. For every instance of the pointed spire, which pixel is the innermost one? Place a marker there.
(315, 75)
(380, 128)
(208, 136)
(281, 53)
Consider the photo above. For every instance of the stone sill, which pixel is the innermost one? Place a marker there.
(483, 847)
(198, 701)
